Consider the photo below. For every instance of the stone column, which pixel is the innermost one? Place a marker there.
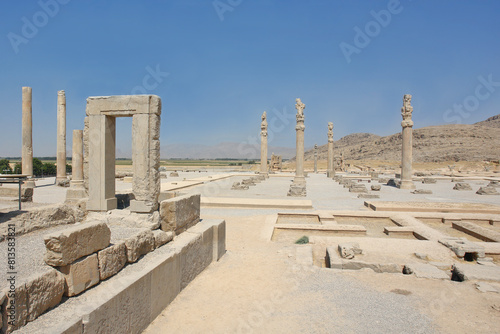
(299, 128)
(61, 136)
(315, 158)
(298, 188)
(406, 156)
(76, 189)
(263, 145)
(330, 170)
(27, 137)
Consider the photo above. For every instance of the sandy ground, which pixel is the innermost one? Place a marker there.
(258, 287)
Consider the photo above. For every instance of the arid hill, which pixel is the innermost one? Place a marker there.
(452, 142)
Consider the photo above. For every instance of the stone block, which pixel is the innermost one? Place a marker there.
(358, 188)
(66, 246)
(44, 292)
(174, 174)
(15, 308)
(332, 258)
(124, 308)
(161, 238)
(195, 249)
(165, 284)
(219, 239)
(428, 180)
(368, 196)
(376, 187)
(297, 190)
(111, 260)
(424, 270)
(139, 244)
(462, 186)
(180, 213)
(487, 191)
(81, 275)
(461, 247)
(464, 272)
(422, 191)
(348, 250)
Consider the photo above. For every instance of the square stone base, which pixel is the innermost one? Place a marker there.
(108, 204)
(406, 185)
(75, 193)
(330, 173)
(297, 190)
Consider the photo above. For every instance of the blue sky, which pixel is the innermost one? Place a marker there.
(229, 60)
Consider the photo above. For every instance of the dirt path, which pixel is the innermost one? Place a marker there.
(258, 287)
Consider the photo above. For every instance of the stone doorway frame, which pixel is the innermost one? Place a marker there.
(100, 146)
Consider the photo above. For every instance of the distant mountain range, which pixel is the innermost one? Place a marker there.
(452, 142)
(226, 150)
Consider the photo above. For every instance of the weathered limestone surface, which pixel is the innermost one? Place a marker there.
(428, 180)
(44, 291)
(19, 315)
(196, 252)
(139, 244)
(376, 187)
(174, 174)
(61, 135)
(81, 275)
(263, 144)
(111, 260)
(180, 213)
(66, 246)
(406, 156)
(161, 238)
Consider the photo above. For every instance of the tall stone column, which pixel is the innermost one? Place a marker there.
(263, 145)
(315, 158)
(76, 189)
(298, 188)
(330, 170)
(407, 134)
(299, 128)
(27, 137)
(61, 136)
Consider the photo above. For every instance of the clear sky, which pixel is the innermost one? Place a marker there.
(217, 65)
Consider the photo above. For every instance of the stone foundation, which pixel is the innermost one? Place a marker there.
(131, 302)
